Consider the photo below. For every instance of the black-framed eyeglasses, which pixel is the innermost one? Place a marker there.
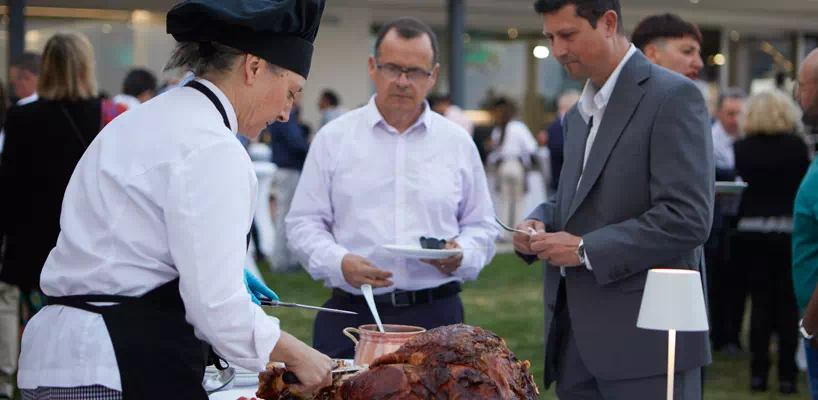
(432, 243)
(392, 72)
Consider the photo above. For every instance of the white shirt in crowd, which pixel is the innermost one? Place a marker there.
(127, 100)
(592, 103)
(723, 153)
(518, 143)
(456, 115)
(165, 191)
(25, 100)
(364, 185)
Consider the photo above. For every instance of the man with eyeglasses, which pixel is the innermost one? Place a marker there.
(392, 172)
(805, 226)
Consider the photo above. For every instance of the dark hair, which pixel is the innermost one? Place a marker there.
(731, 93)
(28, 62)
(436, 99)
(215, 58)
(408, 28)
(590, 10)
(331, 96)
(139, 81)
(663, 26)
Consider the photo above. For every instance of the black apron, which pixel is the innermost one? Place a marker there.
(157, 353)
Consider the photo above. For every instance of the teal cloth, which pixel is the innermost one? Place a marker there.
(805, 238)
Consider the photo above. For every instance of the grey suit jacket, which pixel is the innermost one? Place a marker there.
(645, 201)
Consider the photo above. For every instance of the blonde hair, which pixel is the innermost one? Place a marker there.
(67, 71)
(769, 112)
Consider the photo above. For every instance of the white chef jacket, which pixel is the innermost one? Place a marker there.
(164, 191)
(364, 185)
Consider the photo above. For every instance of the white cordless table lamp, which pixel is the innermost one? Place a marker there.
(673, 301)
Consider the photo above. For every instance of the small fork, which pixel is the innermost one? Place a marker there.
(531, 231)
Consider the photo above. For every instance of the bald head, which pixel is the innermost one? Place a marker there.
(807, 92)
(810, 64)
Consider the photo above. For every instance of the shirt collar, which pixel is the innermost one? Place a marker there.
(374, 117)
(28, 99)
(228, 108)
(593, 100)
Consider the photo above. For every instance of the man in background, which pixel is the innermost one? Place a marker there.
(139, 86)
(727, 281)
(556, 135)
(392, 172)
(442, 104)
(805, 227)
(24, 76)
(289, 146)
(671, 42)
(330, 106)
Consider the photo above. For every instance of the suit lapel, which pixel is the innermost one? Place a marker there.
(623, 102)
(575, 139)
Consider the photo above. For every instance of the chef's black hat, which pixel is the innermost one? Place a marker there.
(279, 31)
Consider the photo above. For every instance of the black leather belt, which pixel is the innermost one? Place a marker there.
(403, 298)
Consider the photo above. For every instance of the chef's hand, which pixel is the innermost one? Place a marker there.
(358, 271)
(522, 241)
(559, 249)
(257, 288)
(313, 368)
(448, 265)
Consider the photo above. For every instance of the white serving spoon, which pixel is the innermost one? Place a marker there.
(370, 300)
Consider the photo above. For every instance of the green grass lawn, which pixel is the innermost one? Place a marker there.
(507, 299)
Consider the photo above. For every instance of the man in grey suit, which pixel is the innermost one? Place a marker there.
(636, 192)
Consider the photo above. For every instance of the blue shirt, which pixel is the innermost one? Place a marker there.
(288, 143)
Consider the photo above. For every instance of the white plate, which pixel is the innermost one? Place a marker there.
(421, 253)
(234, 394)
(730, 187)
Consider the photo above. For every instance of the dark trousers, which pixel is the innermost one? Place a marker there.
(767, 259)
(727, 288)
(329, 339)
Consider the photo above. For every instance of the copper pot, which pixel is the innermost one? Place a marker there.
(375, 343)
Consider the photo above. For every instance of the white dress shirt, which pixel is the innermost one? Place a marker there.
(592, 103)
(165, 191)
(723, 153)
(365, 185)
(25, 100)
(518, 143)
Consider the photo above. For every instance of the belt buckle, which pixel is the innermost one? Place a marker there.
(399, 305)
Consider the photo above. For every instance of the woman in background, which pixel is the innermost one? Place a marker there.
(772, 159)
(44, 141)
(513, 146)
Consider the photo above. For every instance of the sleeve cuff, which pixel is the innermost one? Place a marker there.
(331, 261)
(587, 259)
(471, 265)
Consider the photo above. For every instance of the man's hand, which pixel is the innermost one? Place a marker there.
(522, 241)
(559, 249)
(358, 271)
(448, 265)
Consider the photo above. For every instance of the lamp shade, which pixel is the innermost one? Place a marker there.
(673, 299)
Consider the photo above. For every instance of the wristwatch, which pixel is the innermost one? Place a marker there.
(581, 252)
(804, 332)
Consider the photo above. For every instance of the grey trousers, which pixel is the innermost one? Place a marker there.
(9, 335)
(286, 182)
(575, 382)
